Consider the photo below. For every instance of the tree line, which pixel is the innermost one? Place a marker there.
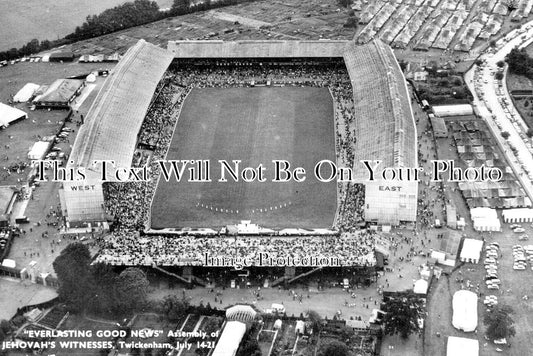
(127, 15)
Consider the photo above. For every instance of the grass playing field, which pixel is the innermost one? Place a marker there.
(255, 125)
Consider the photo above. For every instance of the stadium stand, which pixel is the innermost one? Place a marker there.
(115, 117)
(370, 96)
(374, 69)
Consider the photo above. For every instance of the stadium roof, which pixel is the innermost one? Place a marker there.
(115, 117)
(384, 120)
(257, 49)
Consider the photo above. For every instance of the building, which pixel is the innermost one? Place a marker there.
(59, 94)
(386, 131)
(453, 110)
(438, 125)
(115, 117)
(385, 125)
(230, 339)
(61, 57)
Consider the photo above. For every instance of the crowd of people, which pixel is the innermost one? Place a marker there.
(129, 248)
(130, 203)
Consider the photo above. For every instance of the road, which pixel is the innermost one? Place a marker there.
(497, 109)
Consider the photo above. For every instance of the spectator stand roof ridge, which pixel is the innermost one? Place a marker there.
(257, 49)
(382, 104)
(119, 109)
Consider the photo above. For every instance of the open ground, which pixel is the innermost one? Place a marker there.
(255, 125)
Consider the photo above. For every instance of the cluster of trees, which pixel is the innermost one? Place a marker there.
(402, 315)
(34, 46)
(249, 345)
(129, 14)
(97, 288)
(520, 62)
(499, 323)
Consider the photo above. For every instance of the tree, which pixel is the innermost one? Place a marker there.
(500, 64)
(499, 322)
(5, 326)
(519, 61)
(402, 316)
(105, 294)
(498, 76)
(505, 134)
(174, 308)
(72, 268)
(212, 324)
(180, 7)
(336, 348)
(315, 320)
(403, 65)
(250, 347)
(344, 3)
(351, 22)
(529, 133)
(132, 287)
(511, 5)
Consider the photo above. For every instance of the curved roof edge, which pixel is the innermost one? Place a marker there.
(382, 105)
(117, 113)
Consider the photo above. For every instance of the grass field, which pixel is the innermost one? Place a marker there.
(21, 135)
(23, 20)
(255, 125)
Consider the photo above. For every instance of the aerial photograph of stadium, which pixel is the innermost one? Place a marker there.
(266, 177)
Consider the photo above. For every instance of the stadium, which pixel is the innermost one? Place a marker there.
(252, 101)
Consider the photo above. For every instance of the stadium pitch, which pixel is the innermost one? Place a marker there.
(254, 125)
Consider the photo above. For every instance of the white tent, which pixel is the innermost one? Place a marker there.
(300, 327)
(241, 313)
(460, 346)
(39, 149)
(517, 215)
(91, 78)
(9, 263)
(471, 251)
(453, 110)
(230, 339)
(278, 324)
(485, 219)
(25, 94)
(464, 311)
(421, 287)
(9, 114)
